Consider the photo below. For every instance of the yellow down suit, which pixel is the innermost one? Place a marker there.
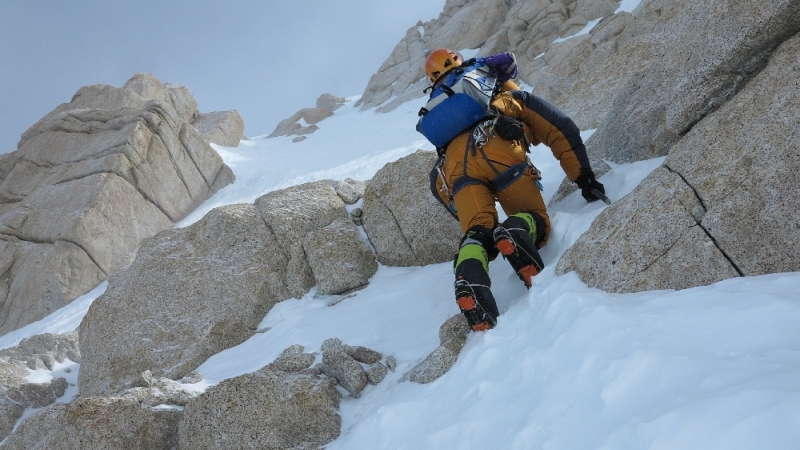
(476, 175)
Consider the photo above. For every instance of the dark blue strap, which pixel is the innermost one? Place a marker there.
(509, 176)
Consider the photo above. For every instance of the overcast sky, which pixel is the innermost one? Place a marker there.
(265, 58)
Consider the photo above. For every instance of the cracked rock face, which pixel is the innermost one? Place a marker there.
(658, 245)
(88, 182)
(642, 79)
(406, 225)
(723, 205)
(294, 213)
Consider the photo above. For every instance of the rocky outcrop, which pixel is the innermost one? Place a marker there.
(719, 206)
(43, 351)
(642, 80)
(224, 128)
(406, 225)
(452, 337)
(16, 392)
(190, 293)
(292, 214)
(195, 291)
(89, 181)
(304, 122)
(526, 28)
(339, 259)
(353, 367)
(283, 405)
(139, 418)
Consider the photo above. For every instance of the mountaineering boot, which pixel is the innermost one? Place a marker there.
(513, 238)
(472, 286)
(474, 297)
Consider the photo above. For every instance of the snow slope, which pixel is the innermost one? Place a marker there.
(568, 367)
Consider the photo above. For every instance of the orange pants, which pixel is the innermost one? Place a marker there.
(470, 172)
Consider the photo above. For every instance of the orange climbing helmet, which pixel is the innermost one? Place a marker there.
(440, 61)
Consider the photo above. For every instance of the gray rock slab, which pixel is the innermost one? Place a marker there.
(292, 214)
(102, 423)
(266, 410)
(406, 225)
(221, 127)
(339, 259)
(190, 293)
(88, 182)
(653, 224)
(720, 207)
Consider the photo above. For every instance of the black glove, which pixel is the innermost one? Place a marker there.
(586, 182)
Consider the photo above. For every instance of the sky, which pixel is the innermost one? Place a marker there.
(267, 59)
(568, 367)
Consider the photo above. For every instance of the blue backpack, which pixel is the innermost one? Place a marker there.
(457, 102)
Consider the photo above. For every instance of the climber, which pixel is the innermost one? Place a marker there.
(488, 162)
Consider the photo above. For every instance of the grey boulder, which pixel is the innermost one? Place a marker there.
(224, 128)
(406, 225)
(190, 293)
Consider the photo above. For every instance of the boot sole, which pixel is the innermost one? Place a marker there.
(526, 273)
(506, 247)
(469, 305)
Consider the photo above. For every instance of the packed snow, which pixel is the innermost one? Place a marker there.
(567, 367)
